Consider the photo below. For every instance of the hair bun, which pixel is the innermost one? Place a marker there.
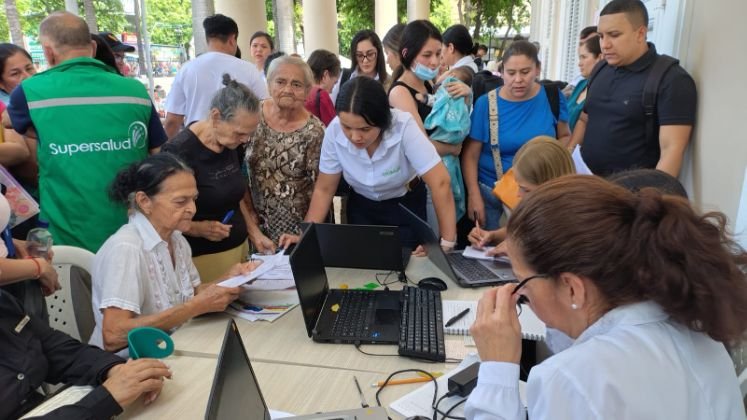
(649, 204)
(228, 81)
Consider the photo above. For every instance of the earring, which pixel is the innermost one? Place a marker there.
(574, 306)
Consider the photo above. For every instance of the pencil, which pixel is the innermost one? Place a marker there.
(402, 381)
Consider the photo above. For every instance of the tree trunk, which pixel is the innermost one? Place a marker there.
(509, 25)
(284, 27)
(201, 9)
(14, 23)
(90, 12)
(460, 11)
(139, 35)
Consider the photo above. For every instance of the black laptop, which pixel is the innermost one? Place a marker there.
(236, 394)
(464, 271)
(341, 315)
(370, 247)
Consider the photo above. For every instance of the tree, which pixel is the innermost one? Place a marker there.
(169, 21)
(14, 23)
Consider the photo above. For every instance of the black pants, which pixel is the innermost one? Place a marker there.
(362, 211)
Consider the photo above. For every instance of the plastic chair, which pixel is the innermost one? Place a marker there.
(70, 308)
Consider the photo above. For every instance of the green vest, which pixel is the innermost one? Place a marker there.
(91, 123)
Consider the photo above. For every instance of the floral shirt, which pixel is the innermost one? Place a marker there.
(282, 170)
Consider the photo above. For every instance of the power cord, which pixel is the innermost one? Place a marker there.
(358, 347)
(389, 378)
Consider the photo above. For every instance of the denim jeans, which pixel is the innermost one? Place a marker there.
(493, 208)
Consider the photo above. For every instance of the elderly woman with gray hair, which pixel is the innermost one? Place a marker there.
(283, 155)
(218, 232)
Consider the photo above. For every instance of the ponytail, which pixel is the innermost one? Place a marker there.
(637, 247)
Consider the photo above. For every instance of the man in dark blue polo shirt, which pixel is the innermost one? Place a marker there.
(612, 129)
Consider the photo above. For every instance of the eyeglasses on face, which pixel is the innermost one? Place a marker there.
(369, 56)
(523, 299)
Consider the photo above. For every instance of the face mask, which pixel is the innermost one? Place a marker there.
(424, 73)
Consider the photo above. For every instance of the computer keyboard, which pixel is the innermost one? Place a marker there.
(469, 268)
(421, 332)
(356, 314)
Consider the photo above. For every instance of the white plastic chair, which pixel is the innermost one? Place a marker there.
(70, 308)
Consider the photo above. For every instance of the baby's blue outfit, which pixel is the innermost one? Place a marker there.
(449, 120)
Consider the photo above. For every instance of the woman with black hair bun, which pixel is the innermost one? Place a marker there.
(386, 159)
(458, 49)
(143, 275)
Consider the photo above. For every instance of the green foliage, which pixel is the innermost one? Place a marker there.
(4, 29)
(169, 21)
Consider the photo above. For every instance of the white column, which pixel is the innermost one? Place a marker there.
(385, 13)
(72, 6)
(320, 26)
(418, 9)
(201, 9)
(284, 27)
(249, 15)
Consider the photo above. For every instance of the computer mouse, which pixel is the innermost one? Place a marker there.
(432, 283)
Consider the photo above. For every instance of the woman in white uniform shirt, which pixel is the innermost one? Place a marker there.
(650, 291)
(386, 158)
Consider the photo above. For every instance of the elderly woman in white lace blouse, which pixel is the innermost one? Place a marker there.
(143, 275)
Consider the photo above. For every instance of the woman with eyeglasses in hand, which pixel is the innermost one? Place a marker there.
(368, 59)
(651, 292)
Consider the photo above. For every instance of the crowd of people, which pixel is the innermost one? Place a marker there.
(630, 280)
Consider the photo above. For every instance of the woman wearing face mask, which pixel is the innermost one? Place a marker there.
(218, 232)
(524, 113)
(367, 57)
(589, 54)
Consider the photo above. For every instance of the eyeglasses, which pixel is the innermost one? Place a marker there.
(296, 86)
(369, 56)
(523, 299)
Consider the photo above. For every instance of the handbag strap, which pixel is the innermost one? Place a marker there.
(494, 146)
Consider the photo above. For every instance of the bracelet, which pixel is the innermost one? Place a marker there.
(38, 267)
(447, 244)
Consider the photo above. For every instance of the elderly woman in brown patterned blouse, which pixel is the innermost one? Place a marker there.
(283, 155)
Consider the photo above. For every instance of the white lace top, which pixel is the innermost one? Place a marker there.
(133, 271)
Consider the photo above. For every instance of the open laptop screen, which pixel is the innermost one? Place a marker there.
(235, 393)
(310, 277)
(430, 242)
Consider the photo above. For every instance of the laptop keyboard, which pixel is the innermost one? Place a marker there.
(356, 314)
(421, 332)
(469, 268)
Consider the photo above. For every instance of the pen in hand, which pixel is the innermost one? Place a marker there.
(456, 318)
(477, 226)
(227, 217)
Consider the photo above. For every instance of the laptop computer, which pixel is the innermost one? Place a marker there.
(344, 245)
(466, 272)
(236, 393)
(341, 315)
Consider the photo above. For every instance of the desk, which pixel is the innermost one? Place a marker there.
(295, 374)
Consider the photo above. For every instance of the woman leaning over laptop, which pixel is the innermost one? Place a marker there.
(651, 292)
(386, 159)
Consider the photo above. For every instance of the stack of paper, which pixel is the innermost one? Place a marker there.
(268, 292)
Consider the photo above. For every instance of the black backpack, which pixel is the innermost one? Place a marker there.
(650, 91)
(483, 82)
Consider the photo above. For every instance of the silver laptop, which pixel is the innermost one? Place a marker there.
(466, 272)
(236, 395)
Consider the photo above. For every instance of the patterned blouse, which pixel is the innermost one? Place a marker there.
(282, 170)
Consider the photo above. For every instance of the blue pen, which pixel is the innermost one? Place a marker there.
(227, 217)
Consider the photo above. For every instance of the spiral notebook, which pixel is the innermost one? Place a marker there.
(531, 326)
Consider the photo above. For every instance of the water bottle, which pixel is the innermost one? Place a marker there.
(39, 241)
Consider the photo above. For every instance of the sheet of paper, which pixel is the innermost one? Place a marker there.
(482, 254)
(264, 283)
(267, 265)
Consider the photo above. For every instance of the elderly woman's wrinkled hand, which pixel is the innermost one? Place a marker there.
(214, 298)
(496, 330)
(126, 382)
(211, 230)
(288, 239)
